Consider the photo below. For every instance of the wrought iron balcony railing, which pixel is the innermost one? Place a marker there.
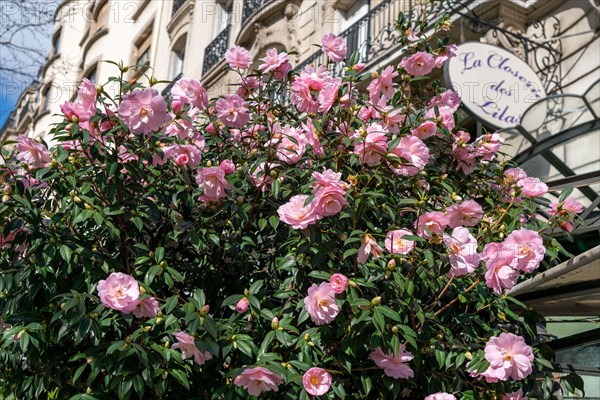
(250, 7)
(215, 51)
(177, 5)
(166, 92)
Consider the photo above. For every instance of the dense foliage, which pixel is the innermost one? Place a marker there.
(306, 235)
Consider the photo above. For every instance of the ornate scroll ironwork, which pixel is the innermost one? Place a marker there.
(177, 5)
(543, 54)
(215, 51)
(251, 7)
(167, 91)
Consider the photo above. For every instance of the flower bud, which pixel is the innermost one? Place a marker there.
(275, 323)
(242, 305)
(7, 189)
(246, 293)
(343, 237)
(5, 198)
(153, 81)
(352, 284)
(204, 310)
(167, 344)
(391, 265)
(311, 344)
(395, 330)
(306, 337)
(88, 390)
(376, 300)
(468, 355)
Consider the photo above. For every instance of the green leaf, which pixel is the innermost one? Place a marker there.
(378, 320)
(66, 252)
(180, 376)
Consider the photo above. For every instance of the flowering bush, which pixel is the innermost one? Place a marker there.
(333, 242)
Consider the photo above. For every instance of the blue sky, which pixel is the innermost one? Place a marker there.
(25, 25)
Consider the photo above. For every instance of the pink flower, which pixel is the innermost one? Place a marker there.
(120, 292)
(190, 91)
(467, 213)
(518, 395)
(527, 247)
(258, 380)
(334, 47)
(440, 396)
(448, 98)
(32, 153)
(184, 154)
(509, 357)
(320, 303)
(564, 212)
(86, 93)
(238, 57)
(144, 111)
(425, 130)
(329, 201)
(338, 283)
(489, 144)
(368, 246)
(431, 223)
(396, 245)
(213, 182)
(277, 63)
(513, 175)
(242, 305)
(500, 274)
(316, 381)
(414, 151)
(418, 64)
(292, 146)
(445, 117)
(532, 187)
(374, 145)
(232, 111)
(444, 55)
(382, 84)
(312, 137)
(296, 214)
(147, 308)
(227, 166)
(394, 366)
(187, 345)
(463, 255)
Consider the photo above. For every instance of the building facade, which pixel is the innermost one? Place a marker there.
(558, 39)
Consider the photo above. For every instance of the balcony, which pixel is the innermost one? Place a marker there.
(251, 7)
(215, 51)
(375, 34)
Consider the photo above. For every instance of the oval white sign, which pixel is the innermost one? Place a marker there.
(495, 85)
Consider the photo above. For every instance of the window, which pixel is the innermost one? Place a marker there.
(100, 16)
(357, 34)
(56, 43)
(178, 57)
(46, 97)
(222, 17)
(92, 74)
(141, 52)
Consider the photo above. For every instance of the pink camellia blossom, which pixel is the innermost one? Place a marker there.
(383, 83)
(86, 93)
(328, 95)
(242, 305)
(276, 63)
(374, 145)
(368, 246)
(190, 91)
(513, 175)
(329, 201)
(509, 357)
(532, 187)
(467, 213)
(334, 47)
(339, 283)
(500, 274)
(316, 381)
(394, 366)
(564, 212)
(414, 151)
(518, 395)
(32, 153)
(292, 146)
(312, 137)
(258, 380)
(213, 182)
(146, 308)
(448, 98)
(419, 64)
(143, 110)
(394, 242)
(320, 303)
(440, 396)
(184, 154)
(431, 223)
(260, 178)
(227, 166)
(489, 145)
(120, 292)
(187, 345)
(328, 178)
(232, 111)
(238, 57)
(425, 130)
(296, 214)
(463, 256)
(445, 117)
(444, 55)
(527, 247)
